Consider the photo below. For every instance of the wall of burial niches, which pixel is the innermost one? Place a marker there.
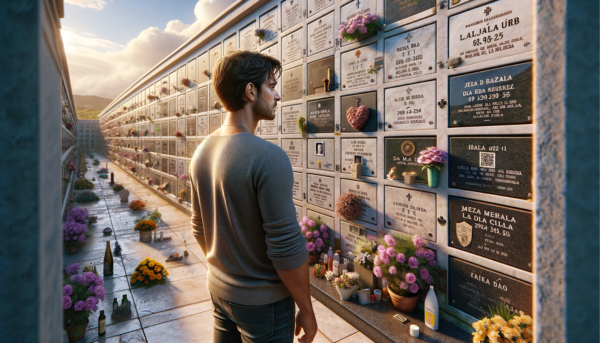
(456, 76)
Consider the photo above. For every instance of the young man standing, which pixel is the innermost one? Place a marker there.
(243, 216)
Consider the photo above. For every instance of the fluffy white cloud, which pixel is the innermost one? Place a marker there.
(101, 67)
(97, 5)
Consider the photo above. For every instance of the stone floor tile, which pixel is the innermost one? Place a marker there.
(358, 337)
(130, 337)
(177, 313)
(97, 243)
(106, 305)
(118, 269)
(91, 335)
(116, 284)
(77, 258)
(132, 260)
(330, 324)
(171, 295)
(196, 250)
(184, 272)
(183, 330)
(131, 244)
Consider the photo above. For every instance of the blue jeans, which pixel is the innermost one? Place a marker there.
(273, 322)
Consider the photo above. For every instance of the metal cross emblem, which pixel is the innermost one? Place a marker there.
(320, 21)
(408, 196)
(357, 54)
(318, 217)
(487, 10)
(408, 37)
(408, 90)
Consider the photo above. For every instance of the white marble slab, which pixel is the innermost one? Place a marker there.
(410, 54)
(410, 211)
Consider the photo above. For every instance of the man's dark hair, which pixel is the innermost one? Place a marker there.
(233, 72)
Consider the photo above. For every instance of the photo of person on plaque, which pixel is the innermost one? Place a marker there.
(320, 148)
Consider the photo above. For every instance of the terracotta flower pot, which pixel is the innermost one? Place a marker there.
(145, 236)
(403, 304)
(312, 259)
(76, 332)
(73, 250)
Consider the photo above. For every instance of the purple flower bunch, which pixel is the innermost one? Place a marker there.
(406, 265)
(432, 157)
(74, 233)
(359, 25)
(78, 215)
(316, 235)
(145, 150)
(81, 294)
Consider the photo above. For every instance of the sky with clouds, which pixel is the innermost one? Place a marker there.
(111, 43)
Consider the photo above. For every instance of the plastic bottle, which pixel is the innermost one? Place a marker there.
(330, 259)
(432, 311)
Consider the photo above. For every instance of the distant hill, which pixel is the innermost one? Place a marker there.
(89, 106)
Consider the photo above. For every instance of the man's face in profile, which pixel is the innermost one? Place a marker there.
(266, 103)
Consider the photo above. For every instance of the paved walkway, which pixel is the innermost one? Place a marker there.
(180, 310)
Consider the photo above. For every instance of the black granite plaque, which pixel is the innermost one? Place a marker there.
(473, 289)
(319, 71)
(164, 165)
(396, 10)
(497, 232)
(191, 126)
(402, 153)
(365, 99)
(496, 165)
(500, 96)
(165, 147)
(320, 116)
(172, 148)
(202, 99)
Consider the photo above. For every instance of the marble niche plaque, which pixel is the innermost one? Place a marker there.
(274, 141)
(190, 147)
(320, 33)
(164, 128)
(215, 54)
(350, 102)
(202, 125)
(181, 126)
(410, 211)
(268, 22)
(272, 51)
(320, 191)
(164, 109)
(157, 148)
(299, 212)
(402, 153)
(298, 186)
(172, 107)
(496, 232)
(354, 67)
(289, 119)
(190, 126)
(214, 123)
(354, 8)
(181, 74)
(410, 54)
(411, 107)
(328, 221)
(203, 71)
(191, 102)
(164, 165)
(320, 115)
(291, 47)
(247, 38)
(495, 30)
(192, 72)
(181, 104)
(230, 45)
(181, 148)
(317, 72)
(364, 147)
(293, 148)
(291, 13)
(270, 127)
(172, 147)
(501, 96)
(158, 111)
(473, 289)
(172, 127)
(202, 99)
(367, 192)
(496, 165)
(408, 11)
(293, 84)
(316, 6)
(321, 154)
(172, 165)
(164, 87)
(173, 85)
(352, 236)
(172, 185)
(213, 100)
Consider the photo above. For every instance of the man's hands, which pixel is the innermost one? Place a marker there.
(309, 324)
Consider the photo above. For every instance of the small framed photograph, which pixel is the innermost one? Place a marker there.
(358, 159)
(320, 148)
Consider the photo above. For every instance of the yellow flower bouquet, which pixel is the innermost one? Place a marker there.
(504, 327)
(149, 273)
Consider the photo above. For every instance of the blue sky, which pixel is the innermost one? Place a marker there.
(111, 43)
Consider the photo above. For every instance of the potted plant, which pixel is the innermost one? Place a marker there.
(149, 273)
(359, 27)
(349, 206)
(316, 235)
(83, 183)
(145, 228)
(80, 296)
(137, 205)
(503, 326)
(87, 197)
(74, 235)
(364, 255)
(118, 187)
(346, 284)
(432, 159)
(407, 268)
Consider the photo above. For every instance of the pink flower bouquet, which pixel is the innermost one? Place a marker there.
(316, 234)
(432, 158)
(359, 25)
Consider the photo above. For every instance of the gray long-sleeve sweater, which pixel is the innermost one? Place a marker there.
(242, 212)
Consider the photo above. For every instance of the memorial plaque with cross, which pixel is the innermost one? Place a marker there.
(181, 104)
(291, 13)
(158, 111)
(165, 147)
(173, 84)
(191, 127)
(496, 165)
(247, 38)
(190, 147)
(181, 148)
(181, 169)
(270, 127)
(367, 192)
(213, 99)
(164, 109)
(321, 191)
(172, 166)
(298, 186)
(181, 74)
(355, 66)
(202, 99)
(410, 54)
(230, 45)
(172, 127)
(164, 128)
(172, 107)
(203, 71)
(192, 74)
(268, 22)
(320, 115)
(354, 8)
(363, 147)
(411, 107)
(320, 33)
(289, 119)
(191, 102)
(352, 236)
(202, 125)
(351, 107)
(164, 163)
(172, 185)
(293, 84)
(272, 51)
(408, 11)
(214, 55)
(316, 6)
(321, 76)
(181, 126)
(172, 147)
(157, 146)
(321, 154)
(293, 148)
(291, 47)
(495, 30)
(402, 154)
(410, 211)
(214, 123)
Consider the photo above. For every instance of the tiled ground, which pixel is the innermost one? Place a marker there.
(179, 311)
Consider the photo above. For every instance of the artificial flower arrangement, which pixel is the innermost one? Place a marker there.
(349, 206)
(177, 114)
(153, 216)
(182, 177)
(432, 159)
(346, 284)
(118, 187)
(137, 205)
(319, 270)
(178, 134)
(302, 124)
(69, 126)
(145, 225)
(145, 150)
(87, 196)
(260, 33)
(81, 295)
(316, 235)
(365, 252)
(372, 69)
(149, 273)
(504, 326)
(358, 26)
(83, 183)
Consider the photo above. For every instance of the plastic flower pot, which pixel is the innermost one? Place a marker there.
(409, 177)
(345, 294)
(432, 177)
(403, 304)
